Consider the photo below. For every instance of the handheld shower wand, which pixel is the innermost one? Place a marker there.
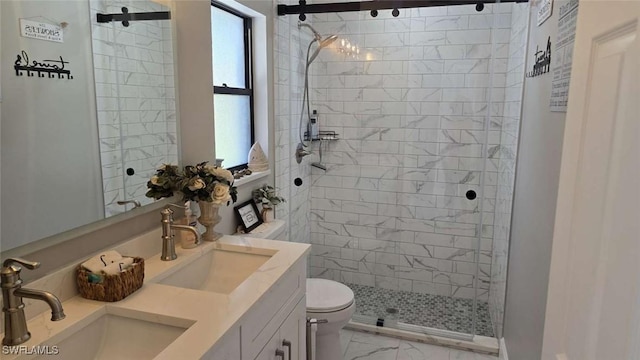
(322, 43)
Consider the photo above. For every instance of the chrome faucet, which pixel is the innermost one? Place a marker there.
(15, 323)
(168, 242)
(136, 203)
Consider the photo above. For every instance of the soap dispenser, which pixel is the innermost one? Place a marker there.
(189, 240)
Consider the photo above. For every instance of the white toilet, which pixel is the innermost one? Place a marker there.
(329, 302)
(334, 302)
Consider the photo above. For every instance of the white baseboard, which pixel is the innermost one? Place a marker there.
(503, 350)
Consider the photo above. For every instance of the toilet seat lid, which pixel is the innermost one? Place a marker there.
(327, 295)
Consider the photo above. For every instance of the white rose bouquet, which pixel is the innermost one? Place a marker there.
(208, 183)
(201, 182)
(164, 183)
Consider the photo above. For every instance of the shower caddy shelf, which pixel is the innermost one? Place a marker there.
(323, 135)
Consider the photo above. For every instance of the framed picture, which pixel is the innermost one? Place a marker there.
(248, 215)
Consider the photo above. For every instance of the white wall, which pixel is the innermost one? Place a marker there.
(195, 88)
(263, 99)
(534, 205)
(46, 121)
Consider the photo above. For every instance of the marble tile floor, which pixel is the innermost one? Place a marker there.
(363, 346)
(434, 311)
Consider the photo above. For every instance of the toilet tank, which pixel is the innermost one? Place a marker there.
(273, 230)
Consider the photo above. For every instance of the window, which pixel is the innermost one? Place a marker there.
(232, 85)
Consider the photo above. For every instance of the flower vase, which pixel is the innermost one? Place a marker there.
(267, 214)
(209, 218)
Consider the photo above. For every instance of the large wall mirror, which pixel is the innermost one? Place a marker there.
(88, 113)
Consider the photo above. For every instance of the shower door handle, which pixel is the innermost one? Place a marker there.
(287, 343)
(280, 354)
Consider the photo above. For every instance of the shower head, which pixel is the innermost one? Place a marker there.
(315, 33)
(321, 45)
(328, 40)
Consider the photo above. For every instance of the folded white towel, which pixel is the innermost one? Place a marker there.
(118, 266)
(100, 261)
(110, 256)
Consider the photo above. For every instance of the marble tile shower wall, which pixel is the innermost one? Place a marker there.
(135, 100)
(391, 211)
(290, 45)
(507, 163)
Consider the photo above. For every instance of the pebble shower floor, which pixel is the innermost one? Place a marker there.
(434, 311)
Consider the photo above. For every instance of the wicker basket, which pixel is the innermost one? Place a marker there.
(113, 287)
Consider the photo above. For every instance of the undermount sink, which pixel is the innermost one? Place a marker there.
(117, 337)
(218, 271)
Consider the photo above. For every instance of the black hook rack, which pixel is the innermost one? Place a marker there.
(127, 17)
(41, 67)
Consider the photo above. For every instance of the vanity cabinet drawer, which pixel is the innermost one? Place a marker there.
(294, 332)
(263, 321)
(288, 343)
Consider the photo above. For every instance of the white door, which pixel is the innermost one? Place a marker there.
(593, 308)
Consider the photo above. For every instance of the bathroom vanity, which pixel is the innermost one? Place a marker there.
(238, 298)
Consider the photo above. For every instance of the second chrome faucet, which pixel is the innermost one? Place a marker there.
(168, 236)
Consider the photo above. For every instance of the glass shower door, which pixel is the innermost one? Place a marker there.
(404, 212)
(504, 158)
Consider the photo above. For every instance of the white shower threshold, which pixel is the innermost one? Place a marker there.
(476, 343)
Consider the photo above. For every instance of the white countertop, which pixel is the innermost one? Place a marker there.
(208, 316)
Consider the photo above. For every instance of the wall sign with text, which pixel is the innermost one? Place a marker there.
(567, 20)
(41, 31)
(544, 11)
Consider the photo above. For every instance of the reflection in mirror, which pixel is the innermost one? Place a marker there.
(74, 146)
(135, 99)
